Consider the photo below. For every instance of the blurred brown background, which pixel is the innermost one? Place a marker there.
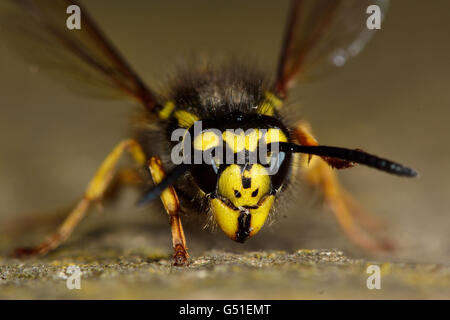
(393, 100)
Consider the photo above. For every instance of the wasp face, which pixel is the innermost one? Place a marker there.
(243, 200)
(241, 191)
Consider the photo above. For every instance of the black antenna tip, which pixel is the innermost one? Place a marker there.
(397, 169)
(410, 173)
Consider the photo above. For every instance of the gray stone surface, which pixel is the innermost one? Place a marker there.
(138, 271)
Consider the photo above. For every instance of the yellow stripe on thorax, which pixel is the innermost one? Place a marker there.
(185, 118)
(270, 104)
(166, 111)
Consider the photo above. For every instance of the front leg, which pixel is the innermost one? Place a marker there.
(94, 192)
(171, 203)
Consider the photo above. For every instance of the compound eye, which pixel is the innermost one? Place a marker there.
(215, 165)
(210, 157)
(279, 168)
(205, 176)
(205, 173)
(274, 160)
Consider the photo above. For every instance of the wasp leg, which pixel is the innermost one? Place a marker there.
(365, 218)
(170, 201)
(94, 192)
(19, 225)
(319, 173)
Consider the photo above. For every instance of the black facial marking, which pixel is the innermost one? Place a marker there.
(246, 182)
(237, 194)
(255, 193)
(243, 227)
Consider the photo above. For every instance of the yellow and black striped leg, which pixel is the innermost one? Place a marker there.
(94, 192)
(319, 173)
(170, 201)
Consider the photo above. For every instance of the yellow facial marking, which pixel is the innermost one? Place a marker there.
(246, 193)
(237, 142)
(228, 218)
(225, 217)
(206, 140)
(251, 140)
(185, 118)
(234, 141)
(166, 111)
(270, 104)
(275, 135)
(244, 188)
(259, 215)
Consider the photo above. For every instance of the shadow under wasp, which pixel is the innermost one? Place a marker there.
(238, 197)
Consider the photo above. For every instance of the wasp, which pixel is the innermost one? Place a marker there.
(224, 112)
